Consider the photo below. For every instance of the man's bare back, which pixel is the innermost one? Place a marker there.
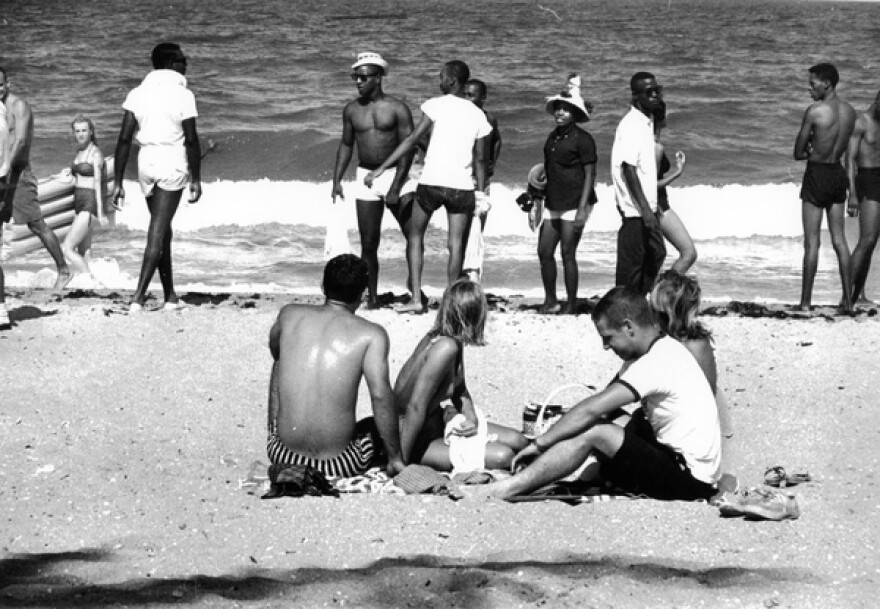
(826, 128)
(322, 353)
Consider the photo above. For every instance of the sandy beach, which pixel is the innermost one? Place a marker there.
(125, 438)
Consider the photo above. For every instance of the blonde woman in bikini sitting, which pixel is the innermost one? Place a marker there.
(88, 196)
(434, 377)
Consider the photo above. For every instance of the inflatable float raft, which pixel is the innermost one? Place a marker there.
(56, 200)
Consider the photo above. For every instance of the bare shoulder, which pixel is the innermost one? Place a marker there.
(445, 348)
(700, 348)
(395, 102)
(17, 106)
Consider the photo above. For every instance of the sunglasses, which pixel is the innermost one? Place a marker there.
(363, 77)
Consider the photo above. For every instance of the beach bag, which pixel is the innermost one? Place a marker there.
(336, 241)
(538, 417)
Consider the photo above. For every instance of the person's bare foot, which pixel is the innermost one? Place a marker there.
(62, 280)
(373, 304)
(550, 308)
(803, 307)
(413, 308)
(568, 309)
(865, 302)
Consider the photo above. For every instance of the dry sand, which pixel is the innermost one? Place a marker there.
(125, 437)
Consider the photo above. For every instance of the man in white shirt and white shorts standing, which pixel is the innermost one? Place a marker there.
(457, 156)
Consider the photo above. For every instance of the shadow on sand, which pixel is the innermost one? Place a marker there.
(42, 580)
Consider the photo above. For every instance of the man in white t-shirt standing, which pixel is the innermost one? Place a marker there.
(163, 113)
(640, 246)
(457, 156)
(671, 447)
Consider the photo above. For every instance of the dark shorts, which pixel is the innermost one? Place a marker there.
(355, 459)
(432, 198)
(824, 184)
(640, 254)
(5, 203)
(25, 200)
(85, 199)
(644, 466)
(868, 183)
(662, 199)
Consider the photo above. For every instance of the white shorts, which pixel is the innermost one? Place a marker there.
(568, 216)
(381, 185)
(162, 166)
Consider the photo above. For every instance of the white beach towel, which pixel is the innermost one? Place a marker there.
(336, 241)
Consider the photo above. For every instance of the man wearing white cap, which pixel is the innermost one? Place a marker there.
(457, 156)
(377, 123)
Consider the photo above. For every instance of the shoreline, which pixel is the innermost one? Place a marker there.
(127, 437)
(500, 301)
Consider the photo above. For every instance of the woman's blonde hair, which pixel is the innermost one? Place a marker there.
(675, 300)
(462, 313)
(81, 118)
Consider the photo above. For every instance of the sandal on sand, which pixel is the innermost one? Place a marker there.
(759, 504)
(778, 477)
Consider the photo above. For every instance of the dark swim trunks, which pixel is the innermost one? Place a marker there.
(868, 183)
(824, 184)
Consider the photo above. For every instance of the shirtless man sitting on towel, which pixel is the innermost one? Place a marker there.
(321, 353)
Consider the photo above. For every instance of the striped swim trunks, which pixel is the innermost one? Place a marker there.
(356, 459)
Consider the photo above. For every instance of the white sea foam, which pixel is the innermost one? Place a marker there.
(709, 212)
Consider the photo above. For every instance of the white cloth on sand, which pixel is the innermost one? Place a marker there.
(467, 453)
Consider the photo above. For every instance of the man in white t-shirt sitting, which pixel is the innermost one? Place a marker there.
(671, 447)
(457, 156)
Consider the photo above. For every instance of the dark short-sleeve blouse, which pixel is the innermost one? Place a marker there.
(564, 158)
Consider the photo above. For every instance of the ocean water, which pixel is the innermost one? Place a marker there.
(271, 78)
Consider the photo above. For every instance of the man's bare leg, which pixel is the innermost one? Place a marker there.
(157, 253)
(416, 250)
(869, 230)
(835, 215)
(811, 216)
(459, 229)
(369, 217)
(402, 212)
(50, 241)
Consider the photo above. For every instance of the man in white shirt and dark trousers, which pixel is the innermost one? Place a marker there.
(457, 156)
(640, 246)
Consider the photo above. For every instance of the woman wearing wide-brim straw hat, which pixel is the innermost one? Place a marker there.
(569, 196)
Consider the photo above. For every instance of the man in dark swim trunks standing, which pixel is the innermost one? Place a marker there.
(321, 353)
(864, 193)
(821, 141)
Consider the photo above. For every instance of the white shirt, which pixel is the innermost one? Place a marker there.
(458, 123)
(634, 145)
(160, 104)
(679, 405)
